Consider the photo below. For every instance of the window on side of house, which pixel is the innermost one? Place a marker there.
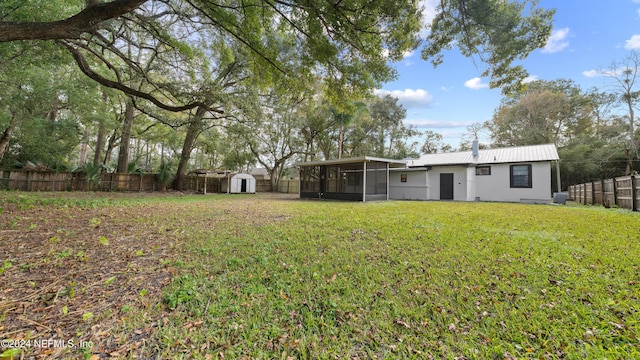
(520, 176)
(483, 170)
(403, 177)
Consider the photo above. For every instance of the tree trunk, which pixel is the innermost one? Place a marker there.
(111, 144)
(99, 143)
(340, 140)
(6, 136)
(123, 152)
(195, 127)
(101, 135)
(634, 146)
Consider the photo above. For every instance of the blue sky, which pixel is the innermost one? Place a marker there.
(587, 36)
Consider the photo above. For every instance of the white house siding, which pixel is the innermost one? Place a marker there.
(497, 187)
(459, 181)
(416, 187)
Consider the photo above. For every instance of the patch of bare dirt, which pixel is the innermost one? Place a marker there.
(73, 274)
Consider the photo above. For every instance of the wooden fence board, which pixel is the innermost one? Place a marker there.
(570, 196)
(588, 193)
(597, 193)
(609, 191)
(624, 192)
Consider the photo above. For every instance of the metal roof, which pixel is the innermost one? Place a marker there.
(360, 159)
(516, 154)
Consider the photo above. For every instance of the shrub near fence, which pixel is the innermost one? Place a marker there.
(622, 191)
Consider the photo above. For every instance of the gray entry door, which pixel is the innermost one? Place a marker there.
(446, 186)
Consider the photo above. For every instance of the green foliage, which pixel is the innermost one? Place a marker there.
(103, 241)
(183, 290)
(498, 32)
(87, 316)
(133, 168)
(232, 56)
(166, 173)
(6, 264)
(591, 140)
(39, 10)
(92, 172)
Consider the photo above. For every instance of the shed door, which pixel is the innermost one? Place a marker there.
(243, 186)
(446, 186)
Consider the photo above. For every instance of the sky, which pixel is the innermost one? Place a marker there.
(587, 36)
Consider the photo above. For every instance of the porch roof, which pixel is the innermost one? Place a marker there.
(393, 163)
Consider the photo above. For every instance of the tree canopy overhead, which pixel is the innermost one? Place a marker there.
(347, 42)
(498, 32)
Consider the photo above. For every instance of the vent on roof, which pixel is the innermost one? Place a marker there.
(474, 148)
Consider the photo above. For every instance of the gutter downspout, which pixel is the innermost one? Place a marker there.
(558, 175)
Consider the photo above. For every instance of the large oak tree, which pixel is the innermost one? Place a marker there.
(348, 41)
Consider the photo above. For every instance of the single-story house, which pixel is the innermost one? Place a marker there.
(512, 174)
(363, 178)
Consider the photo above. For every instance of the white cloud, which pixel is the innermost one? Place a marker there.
(428, 14)
(606, 72)
(434, 124)
(633, 43)
(409, 97)
(406, 54)
(475, 84)
(557, 41)
(530, 78)
(591, 73)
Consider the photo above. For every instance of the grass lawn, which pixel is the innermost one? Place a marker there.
(270, 277)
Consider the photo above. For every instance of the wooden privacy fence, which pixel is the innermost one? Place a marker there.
(73, 181)
(623, 192)
(70, 181)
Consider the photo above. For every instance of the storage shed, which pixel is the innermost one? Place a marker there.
(243, 184)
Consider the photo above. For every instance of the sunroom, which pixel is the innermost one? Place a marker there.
(355, 179)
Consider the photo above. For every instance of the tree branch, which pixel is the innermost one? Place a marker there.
(86, 69)
(70, 28)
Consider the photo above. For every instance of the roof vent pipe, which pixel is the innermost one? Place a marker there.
(474, 148)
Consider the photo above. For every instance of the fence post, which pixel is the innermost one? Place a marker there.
(634, 203)
(615, 192)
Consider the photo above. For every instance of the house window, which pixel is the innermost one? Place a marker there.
(520, 176)
(483, 170)
(403, 177)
